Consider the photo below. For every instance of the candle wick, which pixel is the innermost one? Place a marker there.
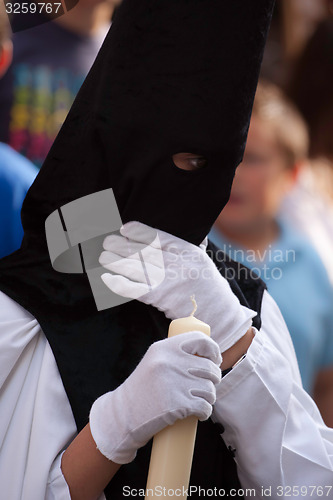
(195, 307)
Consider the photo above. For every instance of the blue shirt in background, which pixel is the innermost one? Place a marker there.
(16, 176)
(296, 278)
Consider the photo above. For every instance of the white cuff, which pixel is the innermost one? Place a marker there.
(57, 488)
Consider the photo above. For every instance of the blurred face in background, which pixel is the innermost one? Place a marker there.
(261, 181)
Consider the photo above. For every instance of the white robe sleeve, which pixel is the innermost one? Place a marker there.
(36, 422)
(280, 440)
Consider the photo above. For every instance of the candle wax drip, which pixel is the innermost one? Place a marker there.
(195, 307)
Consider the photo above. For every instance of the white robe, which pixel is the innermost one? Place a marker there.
(280, 439)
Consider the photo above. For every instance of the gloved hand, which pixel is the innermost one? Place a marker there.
(173, 271)
(169, 383)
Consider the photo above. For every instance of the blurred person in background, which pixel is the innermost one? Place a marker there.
(309, 206)
(50, 62)
(16, 172)
(250, 231)
(294, 21)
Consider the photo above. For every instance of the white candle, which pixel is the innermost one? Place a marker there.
(172, 451)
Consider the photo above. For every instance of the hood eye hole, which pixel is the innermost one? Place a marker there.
(189, 161)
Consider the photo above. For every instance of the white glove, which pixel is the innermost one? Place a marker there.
(169, 383)
(159, 269)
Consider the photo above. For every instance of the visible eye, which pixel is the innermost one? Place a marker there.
(189, 161)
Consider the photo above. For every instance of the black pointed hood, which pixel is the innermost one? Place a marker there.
(172, 76)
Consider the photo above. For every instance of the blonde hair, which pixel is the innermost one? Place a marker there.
(272, 106)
